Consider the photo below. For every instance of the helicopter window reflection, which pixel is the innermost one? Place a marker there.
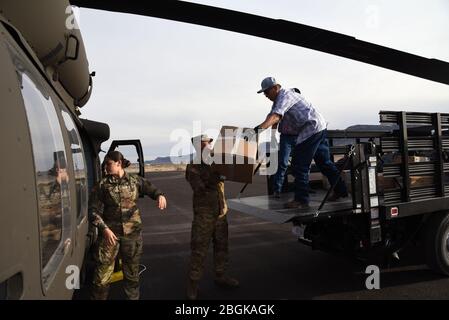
(78, 163)
(52, 177)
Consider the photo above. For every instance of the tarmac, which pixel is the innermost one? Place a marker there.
(266, 258)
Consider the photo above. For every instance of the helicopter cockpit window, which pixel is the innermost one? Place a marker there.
(78, 163)
(52, 177)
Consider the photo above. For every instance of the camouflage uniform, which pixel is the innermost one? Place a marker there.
(113, 205)
(209, 220)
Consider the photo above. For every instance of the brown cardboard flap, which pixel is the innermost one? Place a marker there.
(238, 172)
(421, 181)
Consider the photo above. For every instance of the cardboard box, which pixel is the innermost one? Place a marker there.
(397, 159)
(234, 157)
(395, 183)
(413, 159)
(388, 183)
(421, 181)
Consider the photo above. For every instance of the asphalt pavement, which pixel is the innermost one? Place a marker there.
(266, 258)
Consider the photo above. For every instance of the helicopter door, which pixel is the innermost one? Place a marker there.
(131, 150)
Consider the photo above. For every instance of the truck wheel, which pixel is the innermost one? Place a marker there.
(437, 243)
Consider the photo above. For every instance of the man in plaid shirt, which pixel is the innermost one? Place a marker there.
(303, 131)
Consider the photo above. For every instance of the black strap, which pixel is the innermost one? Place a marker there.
(348, 158)
(246, 184)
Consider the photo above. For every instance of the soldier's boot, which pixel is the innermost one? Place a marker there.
(99, 292)
(192, 289)
(132, 289)
(225, 281)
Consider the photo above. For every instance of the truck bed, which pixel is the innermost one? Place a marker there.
(271, 209)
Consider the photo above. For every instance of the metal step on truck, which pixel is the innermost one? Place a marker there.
(398, 177)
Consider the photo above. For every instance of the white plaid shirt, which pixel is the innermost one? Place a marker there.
(299, 117)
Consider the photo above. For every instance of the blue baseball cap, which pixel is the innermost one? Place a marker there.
(267, 83)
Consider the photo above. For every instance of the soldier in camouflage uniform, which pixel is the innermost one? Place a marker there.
(54, 201)
(114, 212)
(209, 220)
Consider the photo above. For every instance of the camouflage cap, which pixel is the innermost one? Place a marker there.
(202, 138)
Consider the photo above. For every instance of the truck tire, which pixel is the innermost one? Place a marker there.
(437, 243)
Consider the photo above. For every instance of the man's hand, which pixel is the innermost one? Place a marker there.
(161, 202)
(109, 236)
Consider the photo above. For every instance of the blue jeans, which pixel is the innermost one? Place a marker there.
(286, 145)
(316, 148)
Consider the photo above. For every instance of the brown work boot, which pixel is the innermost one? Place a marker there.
(296, 205)
(226, 282)
(192, 289)
(336, 196)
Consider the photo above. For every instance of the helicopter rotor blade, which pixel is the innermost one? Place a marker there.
(280, 30)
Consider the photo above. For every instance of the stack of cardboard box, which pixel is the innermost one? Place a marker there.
(415, 181)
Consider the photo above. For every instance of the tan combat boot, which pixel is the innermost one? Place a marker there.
(226, 281)
(192, 289)
(99, 292)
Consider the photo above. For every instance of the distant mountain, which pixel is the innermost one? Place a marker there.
(169, 160)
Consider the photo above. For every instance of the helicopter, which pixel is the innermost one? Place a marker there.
(44, 85)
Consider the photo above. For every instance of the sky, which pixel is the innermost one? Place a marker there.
(157, 79)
